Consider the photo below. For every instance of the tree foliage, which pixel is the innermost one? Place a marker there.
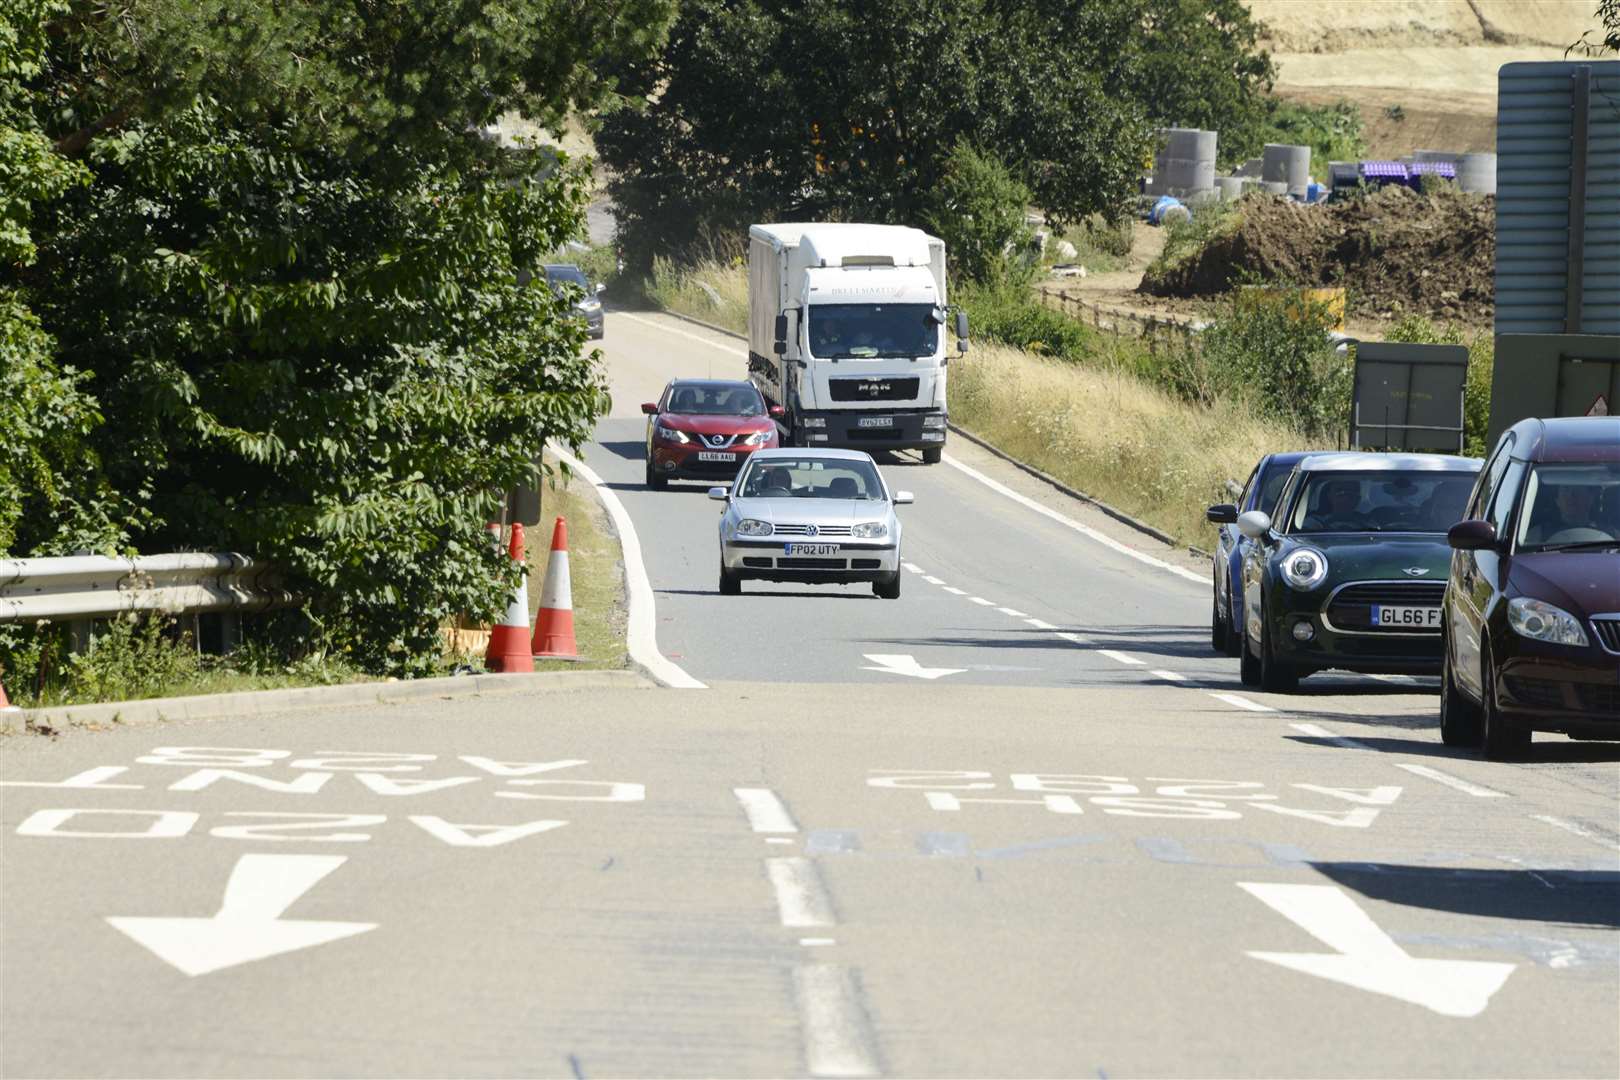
(978, 209)
(292, 286)
(1201, 67)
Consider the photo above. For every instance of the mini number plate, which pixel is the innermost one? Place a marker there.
(1416, 618)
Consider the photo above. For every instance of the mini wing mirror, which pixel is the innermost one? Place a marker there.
(901, 498)
(649, 408)
(776, 412)
(1471, 535)
(720, 493)
(1256, 524)
(780, 347)
(1221, 514)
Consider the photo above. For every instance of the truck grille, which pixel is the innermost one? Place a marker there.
(877, 388)
(1350, 607)
(803, 530)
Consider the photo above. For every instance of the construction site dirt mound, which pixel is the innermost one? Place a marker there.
(1396, 251)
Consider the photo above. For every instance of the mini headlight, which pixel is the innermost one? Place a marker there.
(1304, 569)
(870, 530)
(1542, 621)
(669, 434)
(754, 527)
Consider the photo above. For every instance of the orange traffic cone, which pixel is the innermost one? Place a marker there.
(554, 636)
(508, 641)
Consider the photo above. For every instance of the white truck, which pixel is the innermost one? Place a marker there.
(846, 333)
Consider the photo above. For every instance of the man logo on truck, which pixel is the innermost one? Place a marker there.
(875, 388)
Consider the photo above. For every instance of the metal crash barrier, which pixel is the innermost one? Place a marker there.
(79, 587)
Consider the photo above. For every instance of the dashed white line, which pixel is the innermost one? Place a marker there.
(913, 567)
(1074, 639)
(837, 1035)
(1120, 657)
(778, 840)
(1452, 782)
(1244, 703)
(933, 580)
(667, 329)
(1040, 624)
(766, 813)
(1168, 676)
(1014, 612)
(982, 602)
(1317, 732)
(801, 899)
(814, 941)
(1570, 826)
(953, 590)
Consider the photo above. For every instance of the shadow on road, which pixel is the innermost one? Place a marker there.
(1583, 898)
(770, 593)
(676, 487)
(1565, 752)
(630, 451)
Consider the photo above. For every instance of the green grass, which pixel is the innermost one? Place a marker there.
(712, 291)
(1184, 239)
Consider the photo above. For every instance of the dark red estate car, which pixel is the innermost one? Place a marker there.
(1531, 619)
(704, 429)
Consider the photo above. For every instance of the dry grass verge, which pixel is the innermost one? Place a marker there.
(1112, 435)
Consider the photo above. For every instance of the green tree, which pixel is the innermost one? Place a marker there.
(837, 109)
(978, 209)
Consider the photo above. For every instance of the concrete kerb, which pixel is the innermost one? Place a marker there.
(1074, 493)
(262, 702)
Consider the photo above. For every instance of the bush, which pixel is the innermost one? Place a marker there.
(1418, 330)
(978, 209)
(1333, 132)
(1279, 357)
(1184, 239)
(1008, 314)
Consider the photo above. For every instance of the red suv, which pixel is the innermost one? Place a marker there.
(704, 429)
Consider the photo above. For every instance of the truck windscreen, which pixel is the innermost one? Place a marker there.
(863, 331)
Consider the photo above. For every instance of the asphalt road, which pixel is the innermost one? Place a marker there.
(1086, 851)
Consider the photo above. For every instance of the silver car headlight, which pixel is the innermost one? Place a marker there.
(870, 530)
(1305, 569)
(754, 527)
(1540, 620)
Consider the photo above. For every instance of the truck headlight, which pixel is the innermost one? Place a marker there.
(870, 530)
(669, 434)
(813, 421)
(1540, 620)
(935, 421)
(1304, 569)
(754, 527)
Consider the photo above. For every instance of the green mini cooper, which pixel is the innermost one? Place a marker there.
(1351, 572)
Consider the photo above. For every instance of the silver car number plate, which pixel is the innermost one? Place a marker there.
(1420, 618)
(711, 455)
(809, 549)
(875, 421)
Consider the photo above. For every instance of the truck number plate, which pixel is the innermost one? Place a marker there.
(809, 549)
(876, 421)
(1421, 618)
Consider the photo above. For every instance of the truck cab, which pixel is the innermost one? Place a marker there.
(848, 333)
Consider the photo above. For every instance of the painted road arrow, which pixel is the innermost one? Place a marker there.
(1369, 959)
(907, 665)
(249, 924)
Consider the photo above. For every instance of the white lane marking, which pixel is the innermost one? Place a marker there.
(1316, 731)
(801, 899)
(1075, 639)
(1367, 958)
(778, 840)
(933, 580)
(1040, 624)
(1014, 612)
(1243, 703)
(1570, 826)
(813, 941)
(1084, 530)
(248, 925)
(982, 602)
(642, 636)
(913, 567)
(1168, 676)
(837, 1036)
(954, 591)
(766, 812)
(907, 665)
(1120, 657)
(1452, 782)
(665, 328)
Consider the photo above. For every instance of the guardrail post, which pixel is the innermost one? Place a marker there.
(81, 635)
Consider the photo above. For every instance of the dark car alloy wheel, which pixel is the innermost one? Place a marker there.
(1276, 675)
(1503, 741)
(1220, 630)
(1459, 717)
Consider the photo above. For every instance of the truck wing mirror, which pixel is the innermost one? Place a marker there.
(961, 326)
(780, 347)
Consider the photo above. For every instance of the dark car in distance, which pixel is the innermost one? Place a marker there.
(705, 429)
(1264, 485)
(1532, 607)
(588, 305)
(1351, 571)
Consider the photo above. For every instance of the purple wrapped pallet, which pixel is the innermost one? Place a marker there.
(1445, 169)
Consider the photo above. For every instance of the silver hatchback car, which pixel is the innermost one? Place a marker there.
(810, 516)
